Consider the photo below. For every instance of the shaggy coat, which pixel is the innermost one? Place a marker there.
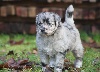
(54, 42)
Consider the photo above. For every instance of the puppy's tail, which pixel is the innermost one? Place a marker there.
(69, 16)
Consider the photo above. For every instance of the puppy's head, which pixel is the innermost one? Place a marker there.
(47, 23)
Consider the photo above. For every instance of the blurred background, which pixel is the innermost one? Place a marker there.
(18, 16)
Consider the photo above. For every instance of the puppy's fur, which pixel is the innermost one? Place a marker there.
(54, 39)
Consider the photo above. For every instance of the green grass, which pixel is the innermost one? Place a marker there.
(25, 51)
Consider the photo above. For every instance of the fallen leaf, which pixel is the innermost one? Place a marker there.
(17, 65)
(66, 60)
(35, 51)
(22, 62)
(3, 58)
(11, 52)
(91, 44)
(12, 42)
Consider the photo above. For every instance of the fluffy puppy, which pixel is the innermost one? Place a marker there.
(54, 39)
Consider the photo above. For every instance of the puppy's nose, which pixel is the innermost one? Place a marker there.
(43, 30)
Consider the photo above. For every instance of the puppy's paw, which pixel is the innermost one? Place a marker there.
(78, 64)
(58, 70)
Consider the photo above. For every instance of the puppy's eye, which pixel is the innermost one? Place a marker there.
(40, 24)
(49, 23)
(52, 24)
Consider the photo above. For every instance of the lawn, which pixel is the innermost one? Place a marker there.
(27, 50)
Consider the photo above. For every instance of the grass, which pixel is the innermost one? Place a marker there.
(25, 50)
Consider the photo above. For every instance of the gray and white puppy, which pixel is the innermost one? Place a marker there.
(54, 39)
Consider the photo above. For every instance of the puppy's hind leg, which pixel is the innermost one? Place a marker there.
(78, 53)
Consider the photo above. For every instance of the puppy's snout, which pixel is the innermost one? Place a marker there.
(43, 30)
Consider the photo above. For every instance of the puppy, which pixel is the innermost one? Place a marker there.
(54, 39)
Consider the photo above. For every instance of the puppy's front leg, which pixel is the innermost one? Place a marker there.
(59, 62)
(52, 61)
(44, 60)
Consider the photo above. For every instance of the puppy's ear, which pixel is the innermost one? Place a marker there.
(57, 19)
(36, 22)
(38, 18)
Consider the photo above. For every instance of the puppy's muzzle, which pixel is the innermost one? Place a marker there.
(43, 30)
